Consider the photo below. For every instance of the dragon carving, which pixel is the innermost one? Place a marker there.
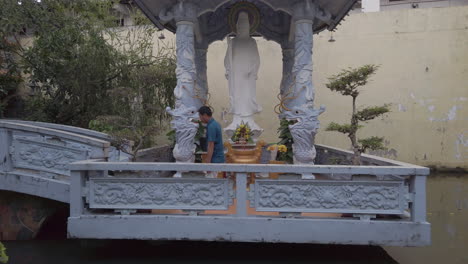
(303, 131)
(185, 127)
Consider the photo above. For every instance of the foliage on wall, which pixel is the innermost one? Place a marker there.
(348, 83)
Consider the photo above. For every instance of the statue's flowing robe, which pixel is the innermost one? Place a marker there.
(242, 62)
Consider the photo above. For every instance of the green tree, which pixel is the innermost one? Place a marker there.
(88, 72)
(348, 82)
(139, 107)
(78, 55)
(10, 75)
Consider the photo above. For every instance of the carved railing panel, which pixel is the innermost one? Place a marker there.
(46, 153)
(158, 193)
(358, 197)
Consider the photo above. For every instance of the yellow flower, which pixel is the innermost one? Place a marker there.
(282, 148)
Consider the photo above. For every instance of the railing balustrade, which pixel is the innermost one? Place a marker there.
(369, 194)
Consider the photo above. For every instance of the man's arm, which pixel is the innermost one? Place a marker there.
(210, 150)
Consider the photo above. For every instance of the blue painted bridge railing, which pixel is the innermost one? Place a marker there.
(382, 204)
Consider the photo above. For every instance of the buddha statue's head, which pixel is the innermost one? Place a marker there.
(243, 25)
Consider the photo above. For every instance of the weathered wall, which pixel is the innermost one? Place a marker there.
(423, 55)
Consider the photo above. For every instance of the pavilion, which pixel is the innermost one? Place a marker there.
(291, 24)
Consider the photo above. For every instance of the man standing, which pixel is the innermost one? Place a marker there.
(214, 137)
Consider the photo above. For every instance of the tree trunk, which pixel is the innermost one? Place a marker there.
(353, 137)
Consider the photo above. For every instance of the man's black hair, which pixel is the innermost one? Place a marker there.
(205, 110)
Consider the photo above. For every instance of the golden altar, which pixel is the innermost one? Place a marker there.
(244, 153)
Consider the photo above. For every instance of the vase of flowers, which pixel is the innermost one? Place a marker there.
(275, 149)
(243, 134)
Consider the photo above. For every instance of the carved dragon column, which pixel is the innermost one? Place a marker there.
(288, 63)
(184, 12)
(303, 19)
(298, 104)
(201, 84)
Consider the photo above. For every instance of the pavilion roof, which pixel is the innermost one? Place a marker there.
(216, 9)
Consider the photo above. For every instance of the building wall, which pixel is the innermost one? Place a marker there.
(423, 58)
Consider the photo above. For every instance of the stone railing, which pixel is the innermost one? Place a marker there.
(383, 205)
(34, 159)
(113, 153)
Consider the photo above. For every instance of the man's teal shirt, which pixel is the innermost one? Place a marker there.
(214, 134)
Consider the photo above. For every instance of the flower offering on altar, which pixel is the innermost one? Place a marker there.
(243, 134)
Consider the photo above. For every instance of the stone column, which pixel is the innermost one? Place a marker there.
(186, 71)
(184, 12)
(287, 85)
(299, 102)
(201, 83)
(303, 43)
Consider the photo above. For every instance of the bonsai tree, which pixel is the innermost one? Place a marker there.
(348, 82)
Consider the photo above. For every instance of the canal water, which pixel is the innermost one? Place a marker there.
(447, 211)
(447, 200)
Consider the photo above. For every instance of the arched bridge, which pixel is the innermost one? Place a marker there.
(34, 156)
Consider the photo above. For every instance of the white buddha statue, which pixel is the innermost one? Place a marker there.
(242, 62)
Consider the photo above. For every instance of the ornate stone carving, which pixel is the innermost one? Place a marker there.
(302, 70)
(187, 99)
(195, 194)
(201, 84)
(303, 131)
(298, 96)
(288, 62)
(186, 129)
(46, 153)
(331, 196)
(186, 70)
